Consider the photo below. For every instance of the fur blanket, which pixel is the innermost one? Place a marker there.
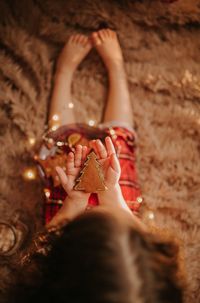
(161, 48)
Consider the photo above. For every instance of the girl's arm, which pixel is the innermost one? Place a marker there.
(111, 167)
(76, 201)
(69, 210)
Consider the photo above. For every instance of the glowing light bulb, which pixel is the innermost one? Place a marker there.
(139, 199)
(54, 127)
(91, 122)
(112, 132)
(59, 143)
(151, 215)
(55, 117)
(31, 140)
(47, 192)
(29, 174)
(71, 105)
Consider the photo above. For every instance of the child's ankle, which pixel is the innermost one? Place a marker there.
(63, 73)
(116, 68)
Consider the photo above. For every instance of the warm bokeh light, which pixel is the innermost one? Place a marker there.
(139, 199)
(55, 117)
(112, 132)
(31, 141)
(91, 122)
(29, 174)
(60, 143)
(151, 215)
(54, 127)
(71, 105)
(47, 192)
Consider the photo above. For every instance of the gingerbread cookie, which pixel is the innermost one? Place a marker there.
(91, 179)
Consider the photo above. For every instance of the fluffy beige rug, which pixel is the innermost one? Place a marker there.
(161, 49)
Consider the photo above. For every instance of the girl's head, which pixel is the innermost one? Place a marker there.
(104, 257)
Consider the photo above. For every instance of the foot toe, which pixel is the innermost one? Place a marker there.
(82, 39)
(94, 35)
(107, 32)
(74, 38)
(114, 34)
(70, 38)
(102, 35)
(111, 33)
(78, 38)
(85, 40)
(96, 38)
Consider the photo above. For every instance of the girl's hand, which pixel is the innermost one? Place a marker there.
(112, 197)
(107, 157)
(76, 201)
(73, 167)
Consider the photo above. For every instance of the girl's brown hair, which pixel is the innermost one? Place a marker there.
(99, 259)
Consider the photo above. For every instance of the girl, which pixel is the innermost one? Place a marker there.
(65, 135)
(104, 254)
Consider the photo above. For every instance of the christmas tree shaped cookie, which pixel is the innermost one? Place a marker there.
(91, 178)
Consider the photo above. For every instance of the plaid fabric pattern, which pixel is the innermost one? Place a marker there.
(124, 142)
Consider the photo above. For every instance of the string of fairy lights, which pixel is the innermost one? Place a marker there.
(31, 173)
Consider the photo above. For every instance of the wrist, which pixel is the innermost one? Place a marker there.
(109, 195)
(69, 210)
(113, 198)
(73, 206)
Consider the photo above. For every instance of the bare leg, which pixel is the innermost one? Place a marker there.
(118, 106)
(61, 107)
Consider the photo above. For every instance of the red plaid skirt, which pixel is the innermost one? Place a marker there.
(57, 144)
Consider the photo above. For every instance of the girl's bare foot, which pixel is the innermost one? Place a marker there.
(74, 51)
(107, 45)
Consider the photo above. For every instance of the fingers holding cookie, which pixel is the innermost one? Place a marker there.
(78, 156)
(101, 149)
(109, 146)
(70, 163)
(62, 176)
(93, 145)
(84, 153)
